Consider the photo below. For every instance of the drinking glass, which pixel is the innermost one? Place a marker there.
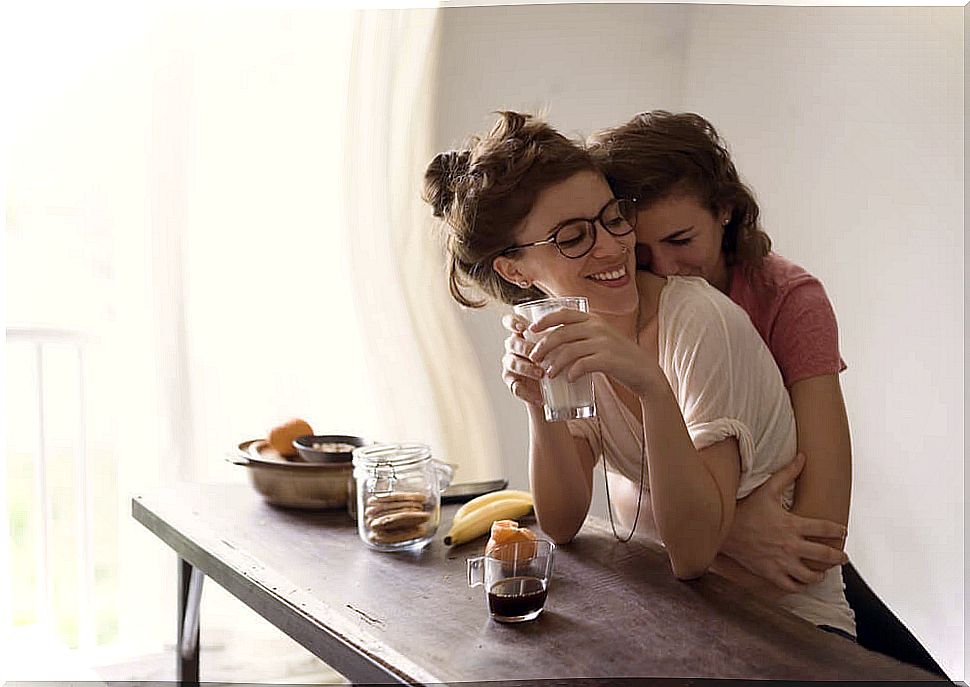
(516, 579)
(561, 399)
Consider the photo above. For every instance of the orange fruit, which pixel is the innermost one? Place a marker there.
(509, 532)
(281, 437)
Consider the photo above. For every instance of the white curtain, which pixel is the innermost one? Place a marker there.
(252, 247)
(424, 370)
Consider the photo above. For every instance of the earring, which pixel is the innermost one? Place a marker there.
(524, 284)
(726, 222)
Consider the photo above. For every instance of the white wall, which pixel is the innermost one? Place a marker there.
(564, 58)
(848, 123)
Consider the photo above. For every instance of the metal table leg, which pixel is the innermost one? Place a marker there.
(189, 599)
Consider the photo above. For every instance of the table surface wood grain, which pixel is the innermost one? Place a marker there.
(614, 610)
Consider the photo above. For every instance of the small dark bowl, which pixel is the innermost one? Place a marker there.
(304, 446)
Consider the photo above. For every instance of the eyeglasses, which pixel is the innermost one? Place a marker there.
(576, 237)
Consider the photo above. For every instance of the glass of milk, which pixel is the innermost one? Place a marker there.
(561, 399)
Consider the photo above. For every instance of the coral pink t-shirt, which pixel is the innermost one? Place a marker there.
(790, 310)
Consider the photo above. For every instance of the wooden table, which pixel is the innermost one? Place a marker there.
(614, 610)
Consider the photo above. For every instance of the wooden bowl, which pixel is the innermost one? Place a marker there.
(294, 484)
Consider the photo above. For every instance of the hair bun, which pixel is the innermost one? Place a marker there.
(441, 177)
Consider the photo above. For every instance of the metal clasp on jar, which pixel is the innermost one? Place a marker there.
(382, 479)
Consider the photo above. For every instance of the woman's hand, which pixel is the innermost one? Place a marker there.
(774, 544)
(587, 343)
(520, 374)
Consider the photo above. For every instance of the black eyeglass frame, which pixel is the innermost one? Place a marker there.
(593, 221)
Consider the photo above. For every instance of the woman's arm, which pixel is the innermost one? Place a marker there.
(560, 465)
(791, 550)
(824, 487)
(772, 545)
(560, 476)
(787, 551)
(692, 492)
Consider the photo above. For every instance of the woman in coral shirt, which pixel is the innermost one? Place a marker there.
(696, 217)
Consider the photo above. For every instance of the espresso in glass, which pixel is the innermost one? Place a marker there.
(517, 599)
(516, 579)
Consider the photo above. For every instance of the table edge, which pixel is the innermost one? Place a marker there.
(358, 656)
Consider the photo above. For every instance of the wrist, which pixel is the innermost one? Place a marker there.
(652, 383)
(537, 412)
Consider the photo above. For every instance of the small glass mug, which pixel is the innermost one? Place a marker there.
(516, 578)
(398, 495)
(561, 399)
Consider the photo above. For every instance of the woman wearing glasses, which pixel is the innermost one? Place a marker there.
(691, 408)
(696, 217)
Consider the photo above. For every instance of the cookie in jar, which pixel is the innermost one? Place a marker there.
(398, 494)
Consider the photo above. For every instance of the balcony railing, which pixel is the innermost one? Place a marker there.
(39, 339)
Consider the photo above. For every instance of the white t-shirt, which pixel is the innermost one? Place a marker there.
(726, 384)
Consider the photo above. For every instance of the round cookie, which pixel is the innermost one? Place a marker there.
(412, 496)
(400, 521)
(398, 536)
(392, 507)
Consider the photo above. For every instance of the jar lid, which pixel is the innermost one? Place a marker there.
(398, 455)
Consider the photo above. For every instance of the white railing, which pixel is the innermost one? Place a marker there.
(38, 338)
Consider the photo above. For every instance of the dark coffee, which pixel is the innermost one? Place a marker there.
(516, 597)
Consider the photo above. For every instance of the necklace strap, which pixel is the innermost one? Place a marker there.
(606, 480)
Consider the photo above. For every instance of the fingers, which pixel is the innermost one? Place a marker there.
(519, 385)
(516, 366)
(519, 373)
(592, 361)
(788, 584)
(812, 527)
(831, 542)
(564, 358)
(554, 341)
(515, 343)
(780, 481)
(777, 576)
(527, 392)
(564, 316)
(819, 553)
(799, 572)
(514, 323)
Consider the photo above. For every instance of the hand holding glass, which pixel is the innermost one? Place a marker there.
(561, 399)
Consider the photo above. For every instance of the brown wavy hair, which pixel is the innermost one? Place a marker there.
(485, 191)
(658, 154)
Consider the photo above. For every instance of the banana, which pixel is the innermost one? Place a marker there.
(486, 499)
(479, 521)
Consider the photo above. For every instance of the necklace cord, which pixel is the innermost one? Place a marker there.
(606, 480)
(643, 457)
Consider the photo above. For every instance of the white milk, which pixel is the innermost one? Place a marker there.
(562, 399)
(565, 400)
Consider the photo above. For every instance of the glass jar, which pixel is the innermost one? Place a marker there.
(398, 495)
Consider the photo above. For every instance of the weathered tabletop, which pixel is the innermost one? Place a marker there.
(614, 610)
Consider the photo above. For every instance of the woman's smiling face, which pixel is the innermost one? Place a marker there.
(604, 275)
(679, 236)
